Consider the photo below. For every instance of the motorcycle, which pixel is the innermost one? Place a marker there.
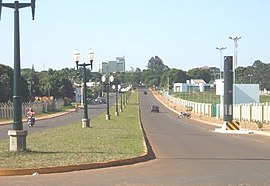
(31, 121)
(184, 115)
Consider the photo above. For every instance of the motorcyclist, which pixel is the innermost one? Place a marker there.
(31, 116)
(184, 115)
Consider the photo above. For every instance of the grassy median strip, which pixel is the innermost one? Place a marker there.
(118, 138)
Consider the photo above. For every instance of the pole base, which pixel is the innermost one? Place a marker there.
(108, 117)
(17, 140)
(85, 123)
(220, 130)
(224, 130)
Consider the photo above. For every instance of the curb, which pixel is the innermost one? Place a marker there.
(69, 168)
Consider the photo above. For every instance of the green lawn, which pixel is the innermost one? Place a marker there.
(201, 97)
(208, 97)
(265, 98)
(118, 138)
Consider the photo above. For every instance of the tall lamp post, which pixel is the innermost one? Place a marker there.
(107, 87)
(235, 39)
(76, 57)
(220, 50)
(17, 135)
(116, 88)
(121, 99)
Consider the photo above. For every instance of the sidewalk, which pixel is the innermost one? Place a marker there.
(39, 117)
(210, 120)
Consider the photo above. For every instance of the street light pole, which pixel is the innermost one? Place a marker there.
(121, 99)
(17, 135)
(124, 98)
(250, 76)
(76, 57)
(115, 87)
(235, 39)
(220, 50)
(107, 85)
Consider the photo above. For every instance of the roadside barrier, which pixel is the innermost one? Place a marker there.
(241, 112)
(6, 109)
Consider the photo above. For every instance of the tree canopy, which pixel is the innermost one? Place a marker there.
(59, 83)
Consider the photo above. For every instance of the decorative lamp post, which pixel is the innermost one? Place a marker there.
(121, 99)
(250, 76)
(17, 135)
(125, 98)
(76, 57)
(116, 100)
(107, 87)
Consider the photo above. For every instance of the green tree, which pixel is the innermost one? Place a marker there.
(173, 76)
(215, 73)
(6, 78)
(155, 70)
(199, 73)
(32, 81)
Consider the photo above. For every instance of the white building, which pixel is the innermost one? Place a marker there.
(193, 85)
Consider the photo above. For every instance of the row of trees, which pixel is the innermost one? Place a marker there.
(59, 83)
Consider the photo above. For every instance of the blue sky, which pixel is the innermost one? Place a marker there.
(183, 33)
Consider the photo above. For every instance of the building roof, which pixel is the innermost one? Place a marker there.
(197, 81)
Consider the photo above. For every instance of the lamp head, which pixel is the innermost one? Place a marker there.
(76, 55)
(111, 78)
(103, 78)
(91, 56)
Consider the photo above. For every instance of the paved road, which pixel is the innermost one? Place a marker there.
(93, 111)
(186, 153)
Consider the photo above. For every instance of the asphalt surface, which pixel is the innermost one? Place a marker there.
(185, 152)
(67, 119)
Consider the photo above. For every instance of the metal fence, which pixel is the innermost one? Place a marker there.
(6, 109)
(241, 112)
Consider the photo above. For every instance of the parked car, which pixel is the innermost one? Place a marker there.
(154, 108)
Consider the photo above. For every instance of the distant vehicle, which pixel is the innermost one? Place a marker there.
(184, 115)
(97, 101)
(100, 100)
(103, 100)
(154, 108)
(145, 93)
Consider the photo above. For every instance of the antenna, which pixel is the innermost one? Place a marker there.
(33, 6)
